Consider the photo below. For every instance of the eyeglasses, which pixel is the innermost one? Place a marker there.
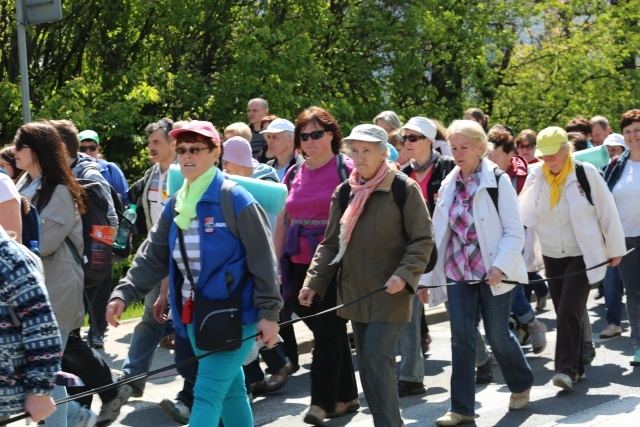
(90, 148)
(192, 150)
(413, 138)
(20, 146)
(526, 147)
(316, 134)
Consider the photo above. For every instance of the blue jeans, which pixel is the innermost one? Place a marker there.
(411, 366)
(466, 303)
(612, 295)
(146, 336)
(59, 417)
(521, 307)
(630, 274)
(540, 289)
(220, 392)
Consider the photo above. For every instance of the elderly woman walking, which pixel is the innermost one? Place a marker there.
(481, 242)
(369, 256)
(578, 228)
(195, 244)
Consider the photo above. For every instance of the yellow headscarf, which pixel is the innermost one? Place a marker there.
(557, 181)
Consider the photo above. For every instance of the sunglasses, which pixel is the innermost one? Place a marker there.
(192, 150)
(19, 146)
(316, 134)
(90, 148)
(526, 147)
(412, 138)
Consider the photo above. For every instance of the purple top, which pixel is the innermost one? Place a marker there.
(464, 260)
(310, 198)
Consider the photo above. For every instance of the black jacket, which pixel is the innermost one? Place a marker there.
(443, 165)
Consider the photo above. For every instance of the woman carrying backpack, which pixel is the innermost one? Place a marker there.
(50, 186)
(364, 245)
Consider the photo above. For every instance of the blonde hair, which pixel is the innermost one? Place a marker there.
(240, 129)
(471, 130)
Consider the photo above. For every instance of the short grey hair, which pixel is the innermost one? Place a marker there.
(600, 121)
(260, 101)
(379, 146)
(389, 117)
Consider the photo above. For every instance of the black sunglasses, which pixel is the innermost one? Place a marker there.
(192, 150)
(20, 146)
(413, 138)
(316, 134)
(91, 148)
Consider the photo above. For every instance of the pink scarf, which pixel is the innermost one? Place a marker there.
(361, 193)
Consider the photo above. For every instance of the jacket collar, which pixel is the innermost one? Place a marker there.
(385, 184)
(212, 194)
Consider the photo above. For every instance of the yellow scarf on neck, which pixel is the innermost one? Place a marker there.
(557, 181)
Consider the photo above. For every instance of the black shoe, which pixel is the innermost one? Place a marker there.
(588, 353)
(407, 388)
(484, 375)
(277, 381)
(259, 388)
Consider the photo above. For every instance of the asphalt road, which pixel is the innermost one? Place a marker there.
(610, 395)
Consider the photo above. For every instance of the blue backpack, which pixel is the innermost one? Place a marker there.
(30, 225)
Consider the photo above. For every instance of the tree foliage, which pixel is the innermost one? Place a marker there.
(116, 66)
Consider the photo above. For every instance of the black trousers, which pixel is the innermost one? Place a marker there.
(96, 302)
(332, 376)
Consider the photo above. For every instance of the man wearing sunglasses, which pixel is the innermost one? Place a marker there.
(90, 145)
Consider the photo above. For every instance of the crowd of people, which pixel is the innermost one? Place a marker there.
(463, 216)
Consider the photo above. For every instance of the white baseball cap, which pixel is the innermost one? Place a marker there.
(279, 125)
(615, 139)
(422, 125)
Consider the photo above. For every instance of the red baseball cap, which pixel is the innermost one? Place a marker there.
(200, 127)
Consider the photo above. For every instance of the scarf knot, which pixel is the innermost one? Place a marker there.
(361, 193)
(556, 182)
(189, 195)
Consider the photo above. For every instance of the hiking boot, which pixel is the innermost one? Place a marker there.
(484, 375)
(612, 330)
(259, 387)
(343, 408)
(588, 353)
(519, 400)
(537, 331)
(110, 410)
(278, 380)
(408, 388)
(563, 381)
(315, 416)
(177, 409)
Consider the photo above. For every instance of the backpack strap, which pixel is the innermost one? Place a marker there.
(343, 171)
(493, 191)
(292, 173)
(398, 190)
(226, 206)
(582, 180)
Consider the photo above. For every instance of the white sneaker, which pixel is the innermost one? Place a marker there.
(177, 410)
(563, 381)
(109, 411)
(79, 416)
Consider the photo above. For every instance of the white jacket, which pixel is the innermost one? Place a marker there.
(501, 237)
(597, 228)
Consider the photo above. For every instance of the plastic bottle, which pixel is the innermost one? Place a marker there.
(34, 247)
(124, 230)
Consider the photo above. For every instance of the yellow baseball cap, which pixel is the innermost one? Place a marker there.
(549, 141)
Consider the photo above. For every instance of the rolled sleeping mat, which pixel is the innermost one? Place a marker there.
(597, 156)
(269, 194)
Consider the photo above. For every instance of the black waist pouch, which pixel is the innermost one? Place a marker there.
(218, 324)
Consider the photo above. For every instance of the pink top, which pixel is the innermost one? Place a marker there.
(310, 198)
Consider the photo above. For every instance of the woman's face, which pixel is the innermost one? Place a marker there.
(7, 167)
(192, 165)
(234, 169)
(527, 150)
(631, 135)
(615, 150)
(555, 162)
(315, 147)
(26, 159)
(500, 158)
(366, 158)
(384, 125)
(421, 148)
(466, 152)
(403, 154)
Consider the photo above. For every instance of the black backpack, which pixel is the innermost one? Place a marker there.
(118, 204)
(399, 192)
(30, 225)
(96, 258)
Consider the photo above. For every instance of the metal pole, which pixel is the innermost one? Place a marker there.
(22, 56)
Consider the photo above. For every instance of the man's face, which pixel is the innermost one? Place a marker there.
(598, 134)
(90, 148)
(161, 148)
(279, 144)
(256, 112)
